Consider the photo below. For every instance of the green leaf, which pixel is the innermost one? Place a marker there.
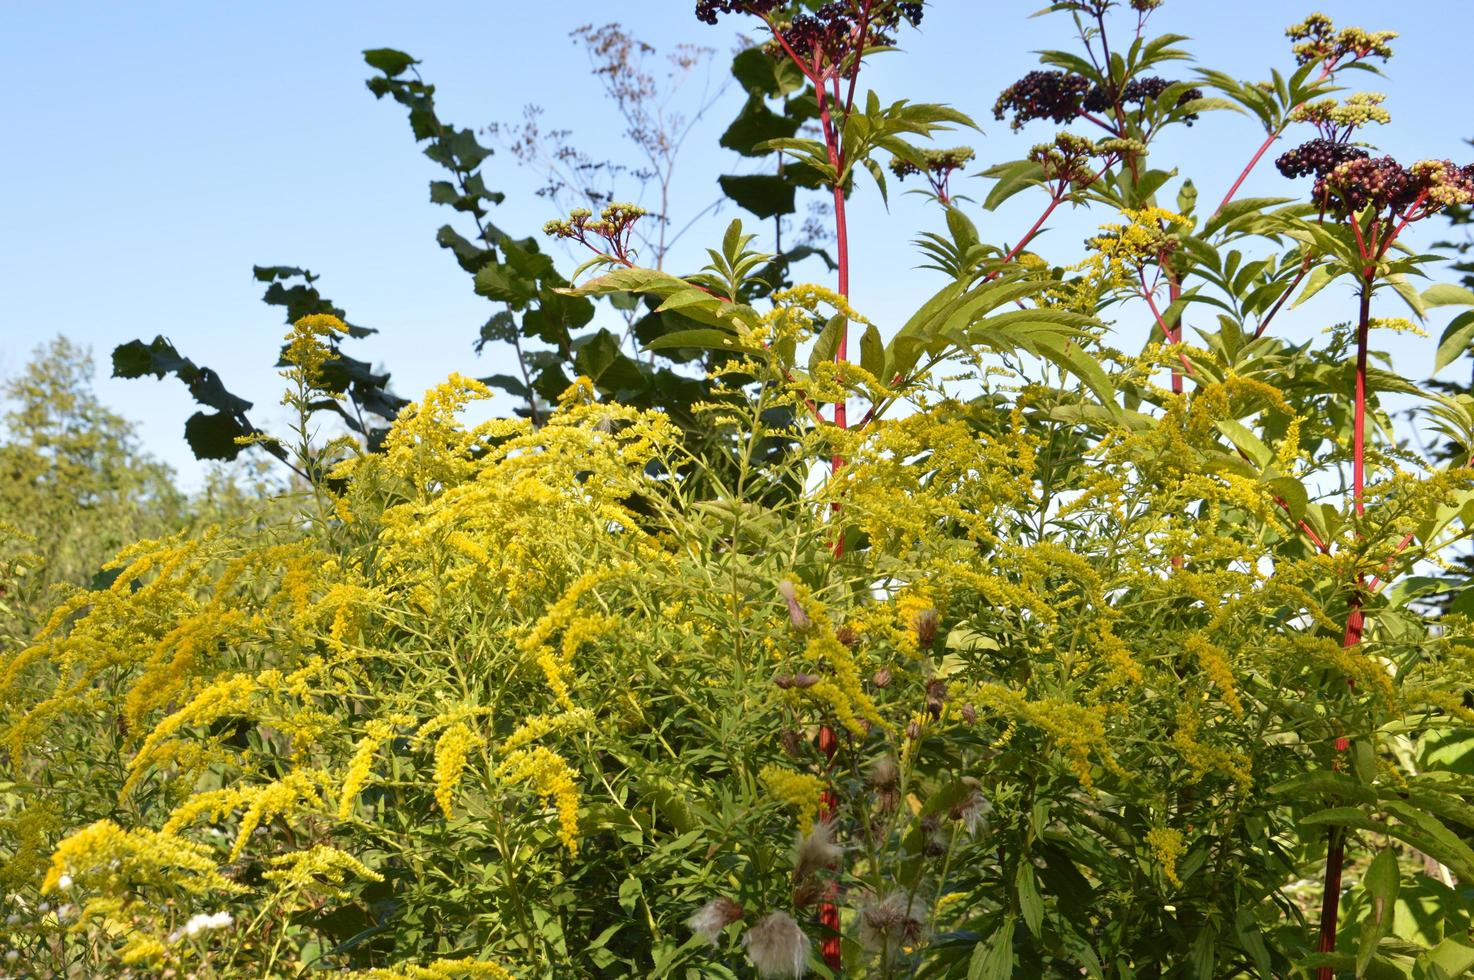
(993, 960)
(756, 124)
(1320, 277)
(872, 353)
(1187, 198)
(1454, 956)
(1455, 340)
(1031, 904)
(1446, 294)
(1314, 787)
(1381, 882)
(1409, 295)
(389, 61)
(1246, 442)
(765, 195)
(1344, 816)
(705, 339)
(1293, 493)
(630, 892)
(1431, 836)
(760, 72)
(827, 343)
(213, 435)
(1074, 359)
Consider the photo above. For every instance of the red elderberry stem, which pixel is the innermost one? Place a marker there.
(1407, 218)
(1169, 334)
(1359, 420)
(1331, 903)
(1407, 539)
(1355, 623)
(1263, 149)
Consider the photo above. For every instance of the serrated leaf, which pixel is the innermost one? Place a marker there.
(1031, 904)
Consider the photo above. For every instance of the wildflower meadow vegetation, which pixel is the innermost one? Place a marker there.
(1080, 625)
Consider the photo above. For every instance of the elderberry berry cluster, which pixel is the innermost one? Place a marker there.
(833, 30)
(1319, 157)
(1384, 184)
(1053, 95)
(707, 11)
(1060, 97)
(1138, 92)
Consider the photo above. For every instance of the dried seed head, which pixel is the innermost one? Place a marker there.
(799, 681)
(969, 714)
(913, 730)
(925, 625)
(815, 850)
(973, 810)
(848, 635)
(791, 742)
(936, 696)
(884, 772)
(934, 844)
(885, 778)
(713, 917)
(809, 892)
(892, 922)
(777, 946)
(882, 677)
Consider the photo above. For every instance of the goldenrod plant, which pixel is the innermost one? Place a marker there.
(995, 651)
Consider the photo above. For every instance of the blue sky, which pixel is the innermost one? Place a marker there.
(157, 150)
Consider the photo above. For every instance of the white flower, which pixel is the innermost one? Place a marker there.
(777, 946)
(11, 955)
(64, 882)
(201, 921)
(713, 917)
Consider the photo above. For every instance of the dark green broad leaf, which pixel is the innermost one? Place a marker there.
(599, 358)
(756, 123)
(759, 71)
(1031, 903)
(993, 958)
(765, 195)
(505, 382)
(500, 282)
(213, 435)
(469, 255)
(389, 61)
(159, 358)
(500, 328)
(556, 316)
(300, 299)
